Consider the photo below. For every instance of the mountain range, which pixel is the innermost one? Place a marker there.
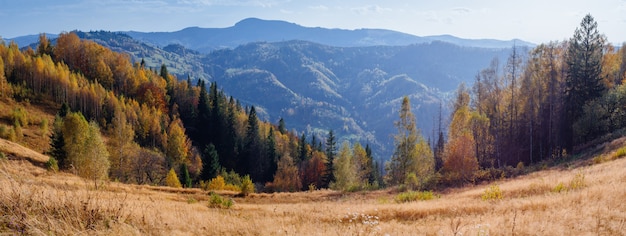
(250, 30)
(317, 79)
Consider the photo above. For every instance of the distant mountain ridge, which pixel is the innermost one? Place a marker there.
(250, 30)
(258, 30)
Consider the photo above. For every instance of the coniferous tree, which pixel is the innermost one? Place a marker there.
(252, 148)
(331, 150)
(57, 143)
(184, 172)
(583, 82)
(281, 126)
(271, 155)
(371, 177)
(303, 152)
(211, 164)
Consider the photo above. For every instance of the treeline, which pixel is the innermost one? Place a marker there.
(552, 101)
(155, 124)
(549, 103)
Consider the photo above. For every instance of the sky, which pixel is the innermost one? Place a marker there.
(536, 21)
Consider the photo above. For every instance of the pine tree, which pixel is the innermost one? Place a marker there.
(252, 148)
(210, 162)
(281, 126)
(57, 144)
(185, 176)
(583, 82)
(271, 155)
(331, 150)
(303, 152)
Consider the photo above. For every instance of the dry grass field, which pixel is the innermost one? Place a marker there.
(584, 200)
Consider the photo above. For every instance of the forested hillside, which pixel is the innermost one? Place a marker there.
(125, 122)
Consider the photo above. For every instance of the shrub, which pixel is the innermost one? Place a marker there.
(172, 180)
(619, 153)
(52, 164)
(3, 156)
(560, 187)
(217, 201)
(43, 126)
(19, 134)
(216, 183)
(411, 196)
(492, 193)
(19, 116)
(246, 185)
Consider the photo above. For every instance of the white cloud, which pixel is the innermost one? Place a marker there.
(371, 9)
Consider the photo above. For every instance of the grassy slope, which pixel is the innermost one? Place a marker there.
(35, 201)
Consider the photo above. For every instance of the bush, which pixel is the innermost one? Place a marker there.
(19, 116)
(52, 164)
(492, 193)
(44, 127)
(246, 185)
(411, 196)
(216, 183)
(217, 201)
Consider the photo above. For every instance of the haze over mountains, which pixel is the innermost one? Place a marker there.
(317, 79)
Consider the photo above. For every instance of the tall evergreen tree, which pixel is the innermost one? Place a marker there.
(210, 162)
(372, 174)
(281, 126)
(583, 81)
(184, 172)
(302, 149)
(252, 148)
(271, 155)
(331, 152)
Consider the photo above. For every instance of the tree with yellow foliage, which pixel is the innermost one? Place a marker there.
(460, 161)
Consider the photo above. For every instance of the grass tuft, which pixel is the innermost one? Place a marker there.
(411, 196)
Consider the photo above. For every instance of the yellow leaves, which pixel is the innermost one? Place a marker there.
(177, 143)
(171, 179)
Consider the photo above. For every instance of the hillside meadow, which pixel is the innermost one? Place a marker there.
(580, 198)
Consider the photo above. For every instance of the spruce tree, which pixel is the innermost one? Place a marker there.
(271, 155)
(331, 152)
(211, 165)
(251, 148)
(583, 82)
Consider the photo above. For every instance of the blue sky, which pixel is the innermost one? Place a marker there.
(531, 20)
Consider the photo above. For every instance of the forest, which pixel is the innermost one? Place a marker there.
(120, 120)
